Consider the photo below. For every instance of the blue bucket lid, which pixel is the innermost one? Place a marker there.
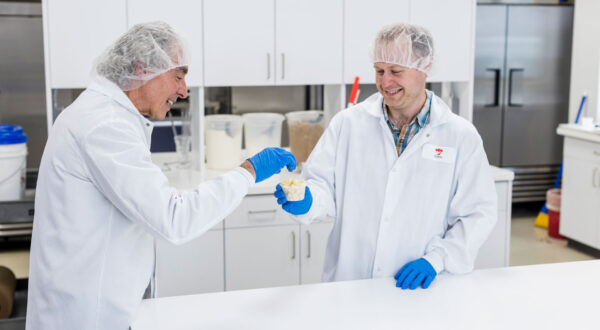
(12, 134)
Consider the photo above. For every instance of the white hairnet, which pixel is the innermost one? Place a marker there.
(404, 44)
(142, 53)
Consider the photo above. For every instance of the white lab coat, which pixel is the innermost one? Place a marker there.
(390, 210)
(100, 203)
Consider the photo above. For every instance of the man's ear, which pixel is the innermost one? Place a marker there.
(139, 71)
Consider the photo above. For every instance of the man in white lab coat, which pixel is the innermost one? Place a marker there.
(101, 202)
(407, 181)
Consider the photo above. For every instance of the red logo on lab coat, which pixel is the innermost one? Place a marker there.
(438, 152)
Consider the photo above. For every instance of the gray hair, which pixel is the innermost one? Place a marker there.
(142, 53)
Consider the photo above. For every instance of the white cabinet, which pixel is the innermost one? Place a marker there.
(495, 251)
(312, 54)
(190, 268)
(580, 195)
(451, 23)
(362, 20)
(313, 244)
(238, 42)
(264, 247)
(265, 42)
(76, 33)
(258, 257)
(187, 20)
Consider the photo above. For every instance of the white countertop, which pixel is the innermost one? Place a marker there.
(188, 179)
(576, 131)
(552, 296)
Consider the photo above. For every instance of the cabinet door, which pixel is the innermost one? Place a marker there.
(580, 211)
(260, 257)
(313, 245)
(495, 251)
(78, 32)
(452, 25)
(239, 42)
(308, 42)
(362, 20)
(191, 268)
(187, 21)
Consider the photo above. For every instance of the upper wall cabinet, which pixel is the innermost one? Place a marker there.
(186, 21)
(450, 22)
(362, 21)
(265, 42)
(308, 42)
(77, 33)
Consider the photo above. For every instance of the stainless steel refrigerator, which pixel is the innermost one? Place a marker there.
(521, 93)
(22, 86)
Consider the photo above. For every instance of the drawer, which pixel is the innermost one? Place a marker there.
(258, 210)
(583, 150)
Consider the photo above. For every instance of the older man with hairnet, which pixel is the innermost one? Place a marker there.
(101, 202)
(407, 181)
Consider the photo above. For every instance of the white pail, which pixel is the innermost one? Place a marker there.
(13, 156)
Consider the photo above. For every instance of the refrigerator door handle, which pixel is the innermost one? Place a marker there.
(510, 87)
(496, 88)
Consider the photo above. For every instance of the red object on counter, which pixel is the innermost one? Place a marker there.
(354, 92)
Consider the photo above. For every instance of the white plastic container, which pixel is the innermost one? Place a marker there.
(305, 128)
(223, 136)
(13, 157)
(262, 130)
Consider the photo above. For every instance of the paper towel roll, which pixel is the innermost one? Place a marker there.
(8, 283)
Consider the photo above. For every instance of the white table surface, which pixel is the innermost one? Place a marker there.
(188, 179)
(578, 132)
(552, 296)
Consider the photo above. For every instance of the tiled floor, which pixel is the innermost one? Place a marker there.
(531, 245)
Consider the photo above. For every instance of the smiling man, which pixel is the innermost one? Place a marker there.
(100, 201)
(407, 181)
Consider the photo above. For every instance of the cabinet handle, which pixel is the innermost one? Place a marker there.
(261, 212)
(510, 87)
(594, 185)
(596, 153)
(308, 238)
(268, 66)
(282, 66)
(496, 88)
(293, 245)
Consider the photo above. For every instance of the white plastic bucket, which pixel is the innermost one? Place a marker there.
(223, 135)
(262, 130)
(13, 157)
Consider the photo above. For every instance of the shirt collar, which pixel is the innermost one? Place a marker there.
(104, 86)
(420, 118)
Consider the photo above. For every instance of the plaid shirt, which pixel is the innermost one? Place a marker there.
(403, 135)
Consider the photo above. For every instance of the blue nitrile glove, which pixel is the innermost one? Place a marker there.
(414, 273)
(270, 161)
(296, 208)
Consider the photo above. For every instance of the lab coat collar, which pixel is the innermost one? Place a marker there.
(438, 115)
(110, 89)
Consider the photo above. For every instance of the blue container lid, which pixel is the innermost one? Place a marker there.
(12, 134)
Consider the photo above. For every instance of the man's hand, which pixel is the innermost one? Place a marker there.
(415, 273)
(296, 208)
(270, 161)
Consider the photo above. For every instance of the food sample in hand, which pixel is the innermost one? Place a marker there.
(293, 189)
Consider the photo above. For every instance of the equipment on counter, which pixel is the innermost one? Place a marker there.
(262, 130)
